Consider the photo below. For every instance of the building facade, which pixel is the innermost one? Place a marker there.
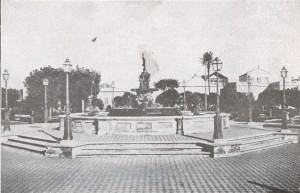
(107, 93)
(259, 81)
(197, 84)
(289, 84)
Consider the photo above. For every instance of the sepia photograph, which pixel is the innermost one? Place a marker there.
(150, 96)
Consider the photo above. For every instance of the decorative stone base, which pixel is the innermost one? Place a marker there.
(226, 150)
(66, 149)
(286, 131)
(143, 125)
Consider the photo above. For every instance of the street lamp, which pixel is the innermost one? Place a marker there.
(184, 97)
(284, 116)
(67, 131)
(217, 66)
(249, 99)
(6, 113)
(113, 85)
(45, 83)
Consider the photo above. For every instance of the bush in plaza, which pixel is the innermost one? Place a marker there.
(128, 99)
(235, 103)
(97, 103)
(169, 98)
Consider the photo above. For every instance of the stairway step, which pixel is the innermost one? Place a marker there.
(142, 152)
(141, 146)
(265, 146)
(251, 137)
(261, 140)
(24, 146)
(29, 141)
(38, 138)
(142, 142)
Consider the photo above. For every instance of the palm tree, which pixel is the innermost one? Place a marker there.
(207, 62)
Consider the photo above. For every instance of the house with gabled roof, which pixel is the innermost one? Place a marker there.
(259, 81)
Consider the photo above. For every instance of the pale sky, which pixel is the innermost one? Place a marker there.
(243, 34)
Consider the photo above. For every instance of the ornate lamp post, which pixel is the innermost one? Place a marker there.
(45, 83)
(184, 97)
(284, 116)
(249, 99)
(217, 66)
(6, 113)
(67, 131)
(113, 85)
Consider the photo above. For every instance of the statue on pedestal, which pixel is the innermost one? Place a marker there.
(144, 91)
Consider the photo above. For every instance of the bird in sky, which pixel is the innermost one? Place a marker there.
(94, 39)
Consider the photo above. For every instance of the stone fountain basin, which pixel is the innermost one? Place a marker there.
(141, 125)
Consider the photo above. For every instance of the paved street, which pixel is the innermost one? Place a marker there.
(265, 171)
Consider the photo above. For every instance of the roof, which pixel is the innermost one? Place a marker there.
(215, 73)
(253, 70)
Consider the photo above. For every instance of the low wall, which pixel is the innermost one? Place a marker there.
(143, 125)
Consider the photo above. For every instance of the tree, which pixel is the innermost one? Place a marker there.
(81, 80)
(97, 103)
(293, 97)
(79, 86)
(165, 84)
(127, 99)
(13, 95)
(274, 98)
(193, 100)
(234, 102)
(168, 98)
(207, 61)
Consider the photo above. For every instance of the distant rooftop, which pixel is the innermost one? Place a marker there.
(258, 68)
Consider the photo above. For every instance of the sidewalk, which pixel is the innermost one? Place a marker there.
(17, 127)
(273, 170)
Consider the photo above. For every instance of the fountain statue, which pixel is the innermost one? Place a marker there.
(145, 100)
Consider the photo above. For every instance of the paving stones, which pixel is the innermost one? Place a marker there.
(28, 172)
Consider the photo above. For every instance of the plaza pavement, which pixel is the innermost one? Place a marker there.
(272, 170)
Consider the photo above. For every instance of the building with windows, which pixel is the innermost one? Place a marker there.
(289, 84)
(107, 93)
(259, 81)
(197, 83)
(223, 81)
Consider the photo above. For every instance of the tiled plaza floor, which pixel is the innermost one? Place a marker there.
(271, 170)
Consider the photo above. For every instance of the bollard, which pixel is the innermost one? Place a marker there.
(32, 117)
(6, 121)
(179, 126)
(96, 126)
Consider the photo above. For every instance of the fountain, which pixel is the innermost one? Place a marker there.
(147, 118)
(145, 101)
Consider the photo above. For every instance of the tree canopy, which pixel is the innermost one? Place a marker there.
(80, 82)
(165, 84)
(207, 60)
(270, 98)
(168, 98)
(13, 95)
(232, 101)
(193, 100)
(127, 99)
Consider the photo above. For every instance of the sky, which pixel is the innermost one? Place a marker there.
(243, 34)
